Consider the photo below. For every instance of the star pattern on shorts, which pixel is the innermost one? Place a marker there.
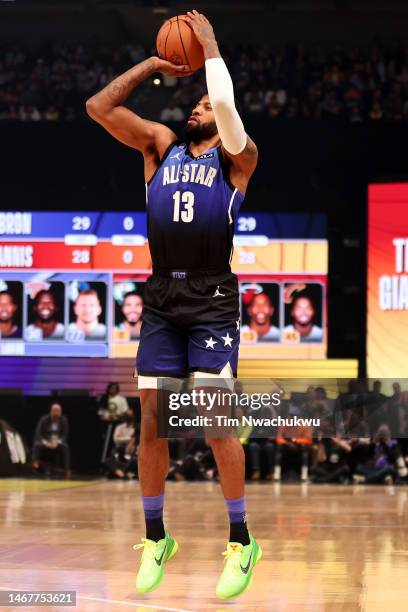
(227, 340)
(237, 322)
(210, 343)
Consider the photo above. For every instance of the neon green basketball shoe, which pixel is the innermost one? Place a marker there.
(236, 576)
(155, 555)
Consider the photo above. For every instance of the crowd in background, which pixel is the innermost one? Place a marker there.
(362, 437)
(355, 84)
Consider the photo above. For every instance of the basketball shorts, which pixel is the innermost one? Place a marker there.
(190, 323)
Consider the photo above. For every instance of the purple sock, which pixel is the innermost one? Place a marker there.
(237, 509)
(237, 517)
(153, 506)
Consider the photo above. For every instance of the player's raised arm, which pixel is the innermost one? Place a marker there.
(237, 145)
(106, 107)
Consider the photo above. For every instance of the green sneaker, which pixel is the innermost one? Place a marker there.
(155, 554)
(236, 576)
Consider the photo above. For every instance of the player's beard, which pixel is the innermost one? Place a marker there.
(197, 132)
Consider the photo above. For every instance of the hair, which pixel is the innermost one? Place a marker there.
(111, 384)
(258, 294)
(131, 293)
(300, 295)
(88, 292)
(40, 295)
(7, 292)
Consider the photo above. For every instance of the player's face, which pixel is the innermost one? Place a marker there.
(87, 308)
(201, 123)
(132, 308)
(261, 309)
(46, 307)
(7, 307)
(303, 311)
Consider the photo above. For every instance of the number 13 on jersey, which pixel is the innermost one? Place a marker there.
(186, 198)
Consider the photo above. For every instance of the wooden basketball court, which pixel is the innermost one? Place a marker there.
(326, 548)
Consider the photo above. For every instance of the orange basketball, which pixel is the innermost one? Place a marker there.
(177, 43)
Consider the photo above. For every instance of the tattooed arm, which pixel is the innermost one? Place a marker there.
(106, 108)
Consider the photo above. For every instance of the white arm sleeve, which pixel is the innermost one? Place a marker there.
(221, 94)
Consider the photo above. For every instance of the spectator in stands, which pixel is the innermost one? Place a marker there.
(331, 460)
(376, 403)
(385, 460)
(293, 445)
(321, 406)
(196, 464)
(122, 459)
(112, 405)
(29, 113)
(261, 447)
(172, 112)
(51, 437)
(254, 100)
(355, 84)
(51, 114)
(376, 113)
(403, 415)
(125, 431)
(308, 405)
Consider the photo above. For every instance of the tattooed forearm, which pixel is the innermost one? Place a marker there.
(116, 92)
(119, 89)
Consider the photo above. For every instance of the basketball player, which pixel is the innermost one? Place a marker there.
(260, 311)
(191, 314)
(8, 308)
(87, 310)
(45, 324)
(302, 313)
(132, 308)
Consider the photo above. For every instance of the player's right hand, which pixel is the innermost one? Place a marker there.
(170, 69)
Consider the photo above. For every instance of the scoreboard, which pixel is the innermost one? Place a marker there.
(72, 284)
(83, 241)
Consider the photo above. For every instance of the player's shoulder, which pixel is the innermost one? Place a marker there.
(163, 138)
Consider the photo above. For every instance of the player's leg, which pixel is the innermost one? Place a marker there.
(153, 465)
(243, 552)
(162, 353)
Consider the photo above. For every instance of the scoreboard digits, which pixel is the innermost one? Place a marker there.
(69, 241)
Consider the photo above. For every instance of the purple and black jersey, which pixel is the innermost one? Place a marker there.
(191, 208)
(191, 301)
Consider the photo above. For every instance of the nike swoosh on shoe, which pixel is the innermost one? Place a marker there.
(245, 569)
(159, 561)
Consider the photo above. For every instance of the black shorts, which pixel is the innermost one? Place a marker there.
(190, 323)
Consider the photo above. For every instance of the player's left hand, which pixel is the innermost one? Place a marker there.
(202, 28)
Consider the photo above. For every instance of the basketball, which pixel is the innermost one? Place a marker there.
(177, 43)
